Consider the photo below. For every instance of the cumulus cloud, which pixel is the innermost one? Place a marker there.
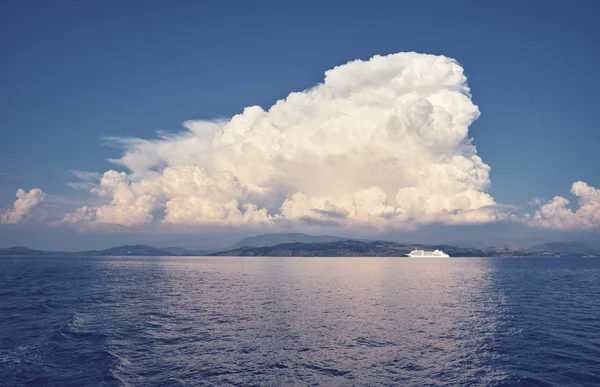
(556, 214)
(380, 142)
(25, 202)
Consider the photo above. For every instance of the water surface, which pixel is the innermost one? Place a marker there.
(299, 321)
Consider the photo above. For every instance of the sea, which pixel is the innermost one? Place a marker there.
(284, 321)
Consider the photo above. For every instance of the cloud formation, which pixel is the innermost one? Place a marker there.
(382, 142)
(87, 180)
(557, 215)
(22, 206)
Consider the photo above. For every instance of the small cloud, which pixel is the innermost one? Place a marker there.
(536, 202)
(318, 222)
(557, 215)
(22, 206)
(335, 214)
(83, 215)
(89, 180)
(82, 186)
(86, 175)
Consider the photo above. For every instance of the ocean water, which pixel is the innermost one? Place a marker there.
(299, 321)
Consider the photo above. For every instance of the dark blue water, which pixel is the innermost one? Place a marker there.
(299, 321)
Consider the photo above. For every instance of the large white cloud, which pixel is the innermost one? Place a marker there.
(379, 142)
(557, 215)
(25, 202)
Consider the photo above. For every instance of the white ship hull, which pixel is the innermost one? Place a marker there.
(427, 254)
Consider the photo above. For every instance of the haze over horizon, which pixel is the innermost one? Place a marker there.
(385, 131)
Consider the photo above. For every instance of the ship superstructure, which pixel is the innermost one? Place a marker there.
(427, 254)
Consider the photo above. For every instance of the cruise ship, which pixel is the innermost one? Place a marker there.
(428, 254)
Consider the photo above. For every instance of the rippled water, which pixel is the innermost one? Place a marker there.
(299, 321)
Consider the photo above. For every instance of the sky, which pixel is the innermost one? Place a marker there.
(196, 123)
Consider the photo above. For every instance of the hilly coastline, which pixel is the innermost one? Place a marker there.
(355, 248)
(304, 245)
(281, 238)
(126, 250)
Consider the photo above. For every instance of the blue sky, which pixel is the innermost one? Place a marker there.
(74, 72)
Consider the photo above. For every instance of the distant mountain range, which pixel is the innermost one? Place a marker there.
(131, 250)
(304, 245)
(277, 239)
(346, 248)
(355, 248)
(563, 249)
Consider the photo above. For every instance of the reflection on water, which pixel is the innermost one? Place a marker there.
(278, 321)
